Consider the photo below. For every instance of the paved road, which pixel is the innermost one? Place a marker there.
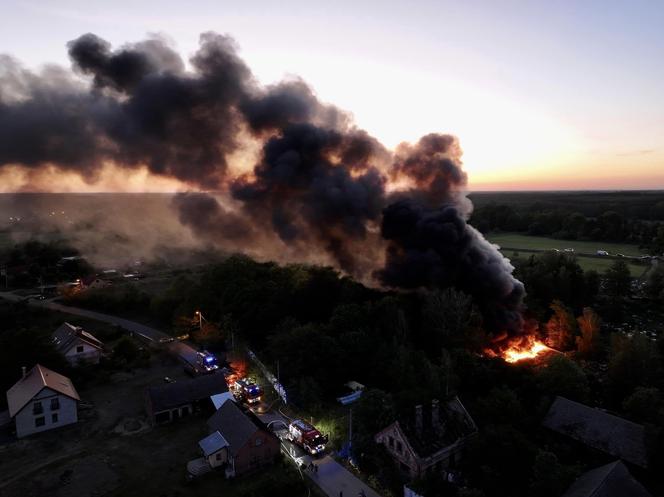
(334, 479)
(180, 349)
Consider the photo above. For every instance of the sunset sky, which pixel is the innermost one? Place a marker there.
(542, 95)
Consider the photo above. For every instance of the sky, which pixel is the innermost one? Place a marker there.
(542, 95)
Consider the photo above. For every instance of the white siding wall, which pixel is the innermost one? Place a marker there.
(214, 462)
(89, 353)
(67, 413)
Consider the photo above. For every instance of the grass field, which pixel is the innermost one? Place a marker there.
(515, 240)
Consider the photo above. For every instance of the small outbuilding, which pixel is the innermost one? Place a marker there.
(215, 449)
(42, 400)
(171, 401)
(77, 345)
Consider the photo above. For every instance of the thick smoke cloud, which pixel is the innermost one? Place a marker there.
(320, 187)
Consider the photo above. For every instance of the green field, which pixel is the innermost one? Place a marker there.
(515, 240)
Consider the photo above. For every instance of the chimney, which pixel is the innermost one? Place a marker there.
(24, 371)
(435, 414)
(418, 420)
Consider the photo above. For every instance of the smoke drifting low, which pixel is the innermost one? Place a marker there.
(320, 188)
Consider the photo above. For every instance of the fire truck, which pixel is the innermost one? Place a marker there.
(306, 436)
(246, 390)
(199, 363)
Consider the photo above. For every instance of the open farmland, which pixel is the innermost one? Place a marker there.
(512, 243)
(515, 240)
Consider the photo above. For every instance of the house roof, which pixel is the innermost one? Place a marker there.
(34, 382)
(234, 425)
(214, 442)
(598, 429)
(611, 480)
(171, 395)
(454, 423)
(67, 335)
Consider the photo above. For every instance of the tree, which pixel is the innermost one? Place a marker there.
(633, 362)
(644, 405)
(588, 343)
(447, 315)
(618, 279)
(550, 477)
(654, 287)
(565, 378)
(561, 327)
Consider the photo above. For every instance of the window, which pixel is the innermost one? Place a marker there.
(391, 441)
(79, 349)
(55, 404)
(40, 421)
(218, 456)
(259, 442)
(399, 447)
(37, 408)
(54, 417)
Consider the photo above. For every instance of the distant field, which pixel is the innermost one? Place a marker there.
(525, 242)
(514, 240)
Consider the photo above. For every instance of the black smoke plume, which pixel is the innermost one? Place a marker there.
(319, 187)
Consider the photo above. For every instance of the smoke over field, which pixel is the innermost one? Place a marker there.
(295, 178)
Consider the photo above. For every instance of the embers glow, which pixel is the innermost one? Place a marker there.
(518, 353)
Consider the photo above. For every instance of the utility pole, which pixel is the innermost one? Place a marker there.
(350, 433)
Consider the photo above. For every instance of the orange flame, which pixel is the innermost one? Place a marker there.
(518, 353)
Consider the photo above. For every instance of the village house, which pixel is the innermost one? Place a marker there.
(77, 345)
(243, 444)
(42, 400)
(610, 480)
(172, 401)
(599, 430)
(430, 442)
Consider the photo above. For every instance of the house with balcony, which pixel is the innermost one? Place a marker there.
(42, 400)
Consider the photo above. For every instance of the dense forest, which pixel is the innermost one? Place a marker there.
(621, 217)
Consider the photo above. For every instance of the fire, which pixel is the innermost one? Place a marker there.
(516, 353)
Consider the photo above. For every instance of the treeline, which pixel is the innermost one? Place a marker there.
(33, 263)
(535, 219)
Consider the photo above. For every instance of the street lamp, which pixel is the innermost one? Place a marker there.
(200, 319)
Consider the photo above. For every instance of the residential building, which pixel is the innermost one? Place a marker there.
(42, 400)
(215, 449)
(171, 401)
(250, 444)
(431, 441)
(599, 430)
(610, 480)
(77, 345)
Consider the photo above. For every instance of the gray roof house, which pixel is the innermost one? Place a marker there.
(598, 429)
(76, 344)
(610, 480)
(250, 444)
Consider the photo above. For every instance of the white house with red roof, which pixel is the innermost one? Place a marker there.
(42, 400)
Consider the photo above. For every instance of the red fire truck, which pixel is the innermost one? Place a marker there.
(306, 436)
(246, 390)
